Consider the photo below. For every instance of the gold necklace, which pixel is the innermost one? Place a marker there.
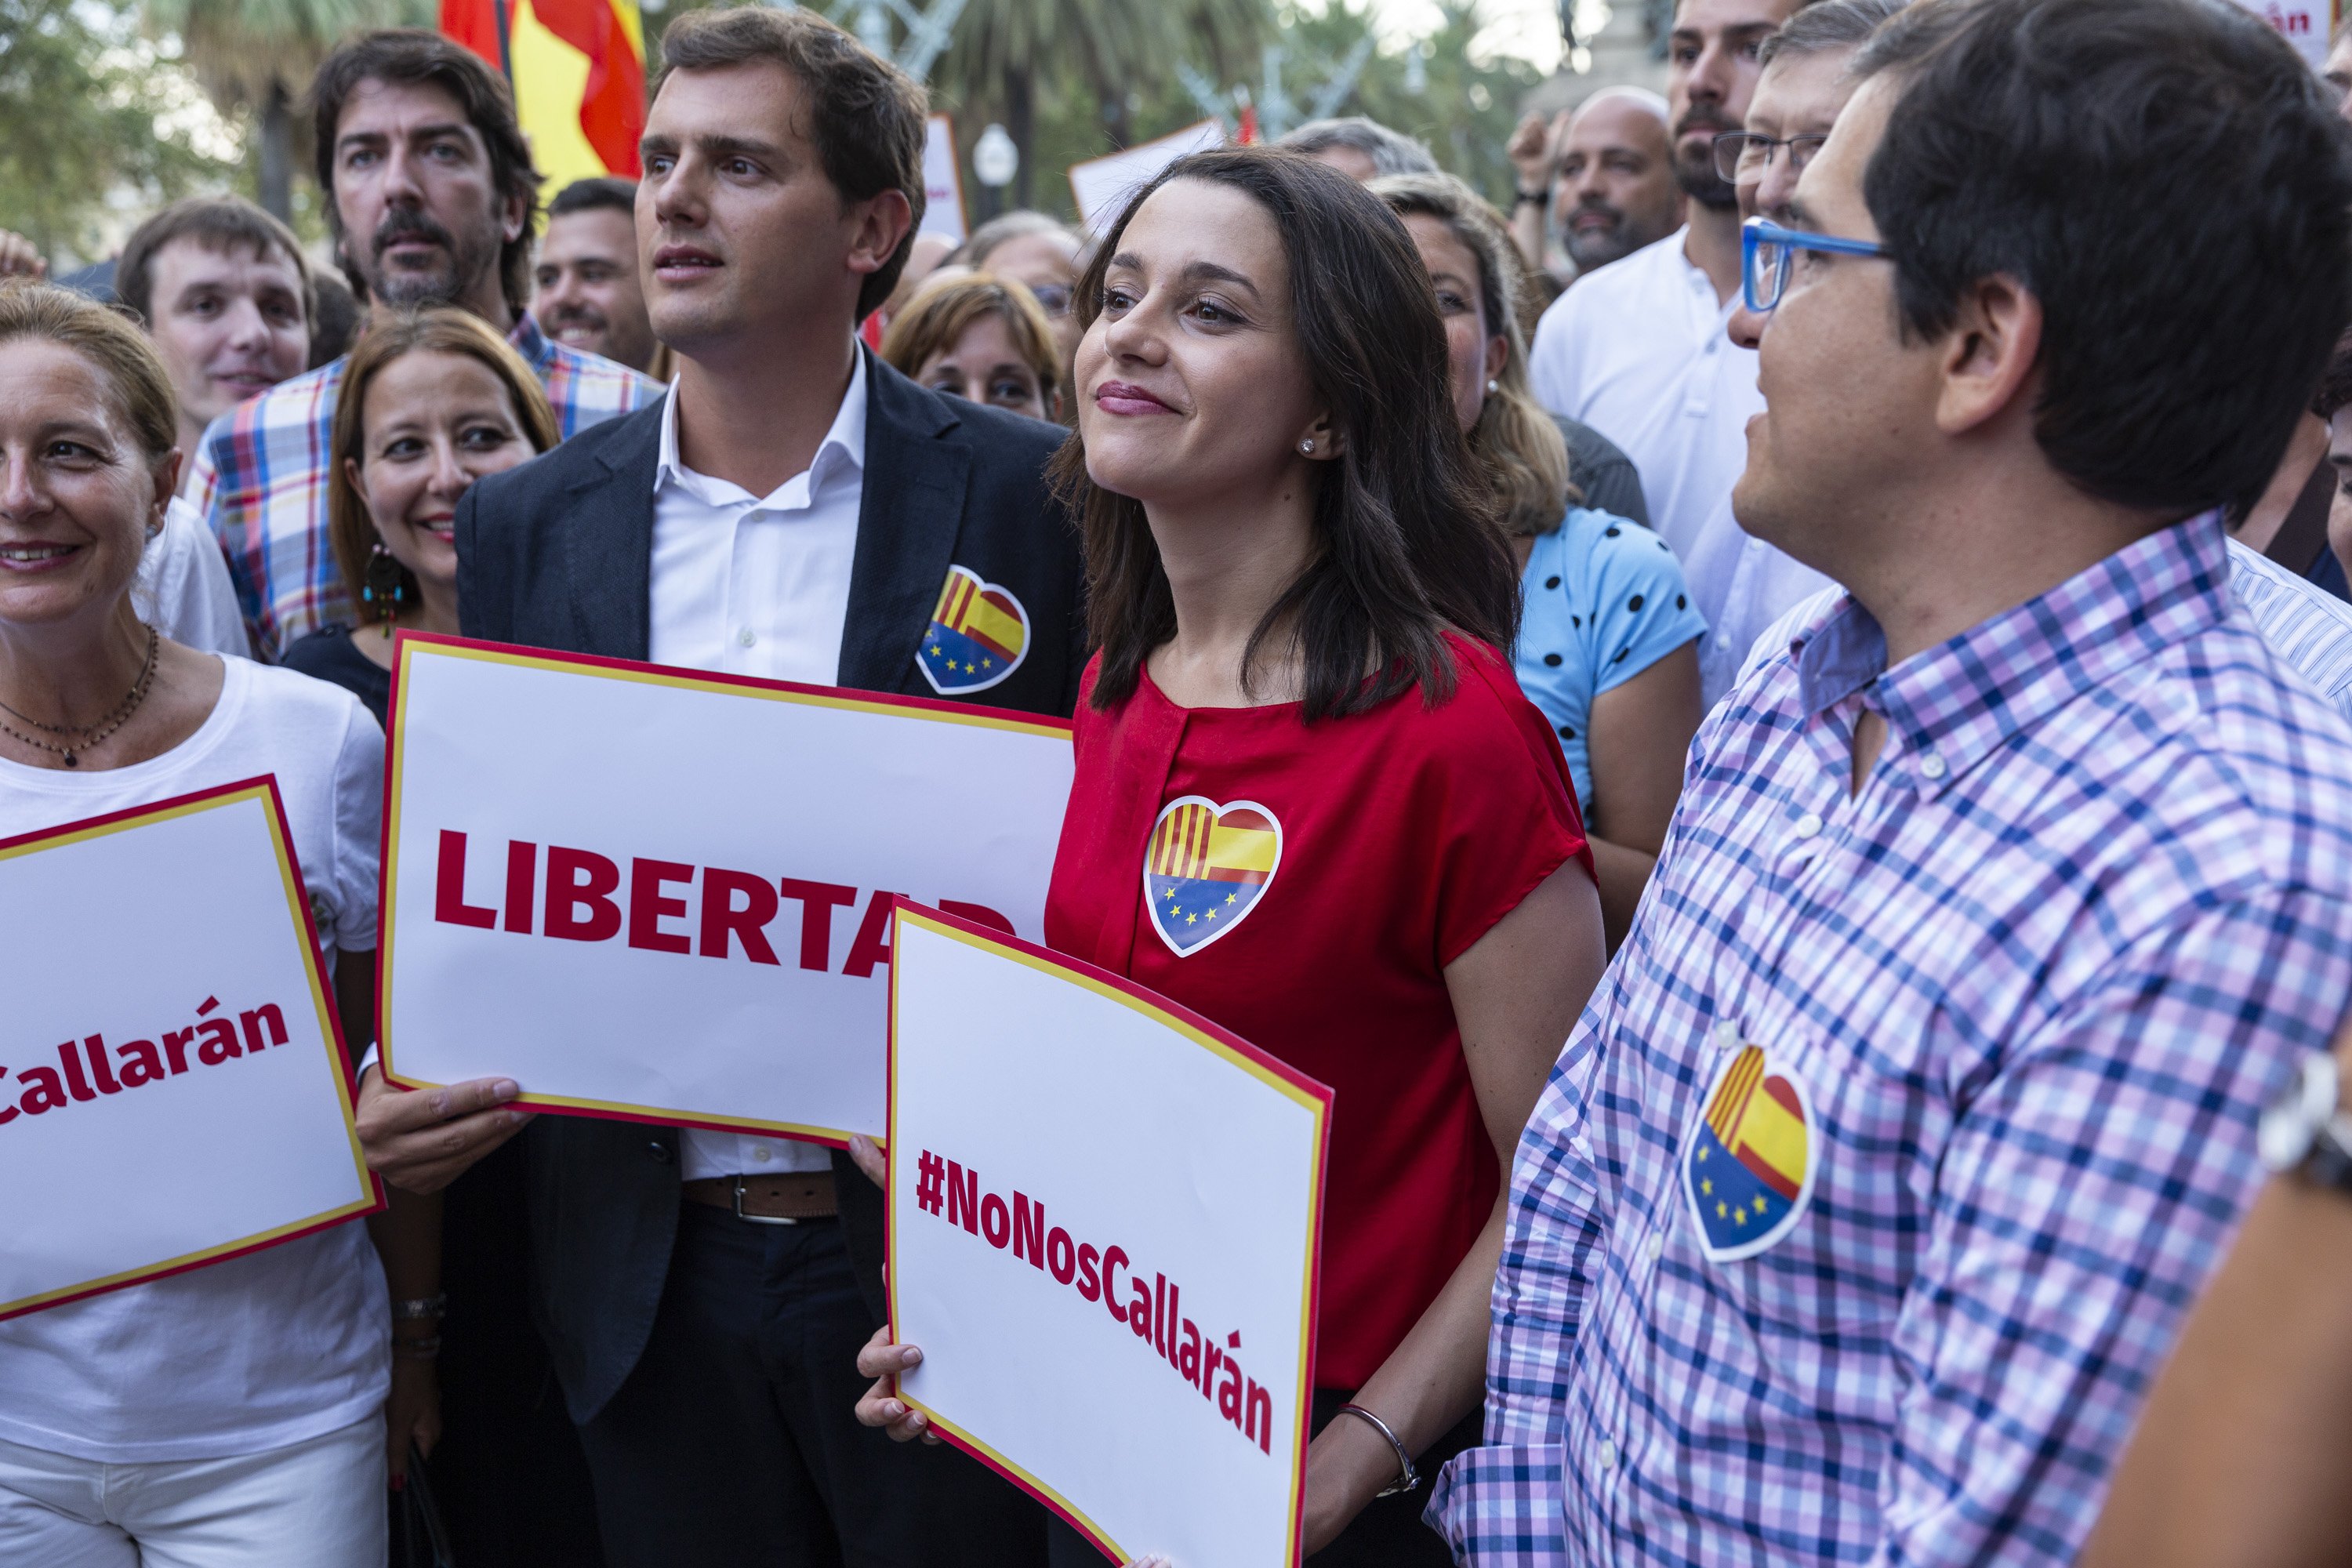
(91, 734)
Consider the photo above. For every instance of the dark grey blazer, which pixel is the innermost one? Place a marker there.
(558, 554)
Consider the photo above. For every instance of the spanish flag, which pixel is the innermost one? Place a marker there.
(578, 72)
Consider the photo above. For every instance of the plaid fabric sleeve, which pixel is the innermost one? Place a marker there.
(1502, 1501)
(2090, 1183)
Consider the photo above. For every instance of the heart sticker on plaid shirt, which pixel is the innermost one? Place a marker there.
(1206, 866)
(1747, 1163)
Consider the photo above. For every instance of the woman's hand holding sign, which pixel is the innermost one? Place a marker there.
(422, 1140)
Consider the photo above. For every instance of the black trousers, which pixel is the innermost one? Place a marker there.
(735, 1441)
(508, 1472)
(1388, 1535)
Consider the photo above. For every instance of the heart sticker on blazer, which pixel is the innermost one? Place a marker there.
(1747, 1164)
(1206, 866)
(978, 635)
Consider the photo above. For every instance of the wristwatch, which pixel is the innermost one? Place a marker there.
(2305, 1130)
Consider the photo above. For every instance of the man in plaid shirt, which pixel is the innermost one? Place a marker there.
(433, 203)
(1871, 1191)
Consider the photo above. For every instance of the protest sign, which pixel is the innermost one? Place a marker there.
(173, 1088)
(942, 181)
(666, 894)
(1103, 1217)
(2309, 25)
(1101, 186)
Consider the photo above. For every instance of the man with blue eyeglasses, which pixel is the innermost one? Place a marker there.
(1871, 1189)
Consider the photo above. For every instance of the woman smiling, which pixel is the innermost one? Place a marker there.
(221, 1414)
(1301, 600)
(432, 402)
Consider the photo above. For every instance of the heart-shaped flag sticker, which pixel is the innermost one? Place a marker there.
(1206, 866)
(1747, 1164)
(978, 635)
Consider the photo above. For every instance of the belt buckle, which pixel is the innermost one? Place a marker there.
(757, 1218)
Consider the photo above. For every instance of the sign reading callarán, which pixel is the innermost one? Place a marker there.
(187, 1106)
(666, 895)
(212, 1040)
(1153, 1312)
(1048, 1273)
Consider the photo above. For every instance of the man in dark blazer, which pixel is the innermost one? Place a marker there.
(704, 1295)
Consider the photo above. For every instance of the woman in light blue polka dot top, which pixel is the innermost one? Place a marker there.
(1608, 640)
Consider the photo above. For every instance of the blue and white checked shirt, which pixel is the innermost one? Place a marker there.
(2027, 994)
(261, 471)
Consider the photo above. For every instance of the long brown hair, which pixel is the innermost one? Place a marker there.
(1523, 452)
(1407, 545)
(439, 329)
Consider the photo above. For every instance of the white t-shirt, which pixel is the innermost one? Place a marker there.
(183, 589)
(278, 1345)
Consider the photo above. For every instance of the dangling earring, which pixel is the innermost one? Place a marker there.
(384, 586)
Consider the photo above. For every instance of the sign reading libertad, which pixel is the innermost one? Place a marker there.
(173, 1091)
(656, 893)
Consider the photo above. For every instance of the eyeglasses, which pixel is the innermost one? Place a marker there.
(1743, 155)
(1765, 251)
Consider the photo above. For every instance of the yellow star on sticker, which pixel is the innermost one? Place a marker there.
(1190, 919)
(1721, 1210)
(1702, 1154)
(1707, 1187)
(1740, 1216)
(1229, 898)
(1213, 914)
(988, 664)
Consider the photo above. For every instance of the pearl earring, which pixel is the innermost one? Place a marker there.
(1308, 447)
(1494, 387)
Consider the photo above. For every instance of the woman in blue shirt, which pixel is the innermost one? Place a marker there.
(1608, 641)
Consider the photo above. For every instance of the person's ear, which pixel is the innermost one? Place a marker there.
(1320, 442)
(1498, 353)
(351, 478)
(1989, 355)
(883, 221)
(516, 215)
(166, 476)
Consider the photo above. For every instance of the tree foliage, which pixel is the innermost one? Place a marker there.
(93, 121)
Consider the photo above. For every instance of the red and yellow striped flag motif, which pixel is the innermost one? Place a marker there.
(578, 67)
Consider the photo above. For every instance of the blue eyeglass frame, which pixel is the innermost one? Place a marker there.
(1757, 232)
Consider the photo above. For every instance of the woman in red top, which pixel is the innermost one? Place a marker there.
(1310, 801)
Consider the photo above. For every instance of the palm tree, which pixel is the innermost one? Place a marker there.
(1004, 50)
(259, 55)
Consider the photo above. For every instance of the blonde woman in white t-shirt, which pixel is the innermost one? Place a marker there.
(233, 1416)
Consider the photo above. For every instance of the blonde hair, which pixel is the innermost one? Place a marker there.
(1515, 440)
(936, 318)
(438, 329)
(108, 339)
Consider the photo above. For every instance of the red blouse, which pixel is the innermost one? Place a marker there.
(1304, 886)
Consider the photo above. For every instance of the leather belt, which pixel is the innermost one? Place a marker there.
(768, 1200)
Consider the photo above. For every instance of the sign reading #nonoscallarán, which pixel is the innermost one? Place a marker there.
(666, 895)
(173, 1088)
(1103, 1223)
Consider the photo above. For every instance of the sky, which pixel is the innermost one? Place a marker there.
(1527, 28)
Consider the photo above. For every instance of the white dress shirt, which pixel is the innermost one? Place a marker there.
(757, 585)
(1740, 585)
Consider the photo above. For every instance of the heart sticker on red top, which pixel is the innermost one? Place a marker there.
(1206, 866)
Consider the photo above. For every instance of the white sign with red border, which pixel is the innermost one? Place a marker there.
(173, 1090)
(665, 894)
(1104, 1215)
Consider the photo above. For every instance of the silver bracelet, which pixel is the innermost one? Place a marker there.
(421, 1306)
(1408, 1477)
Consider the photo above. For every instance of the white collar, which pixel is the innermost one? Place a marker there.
(844, 440)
